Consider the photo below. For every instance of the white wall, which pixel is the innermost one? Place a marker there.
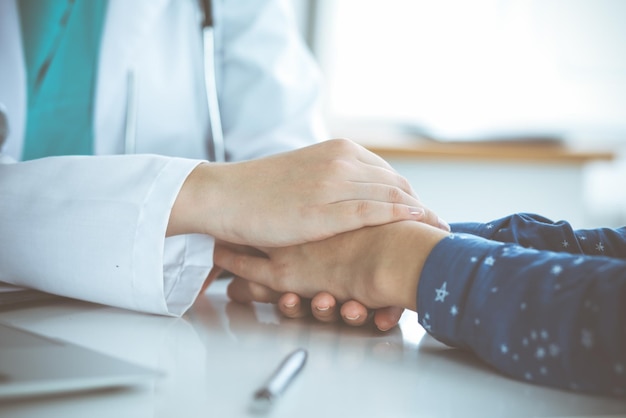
(464, 69)
(469, 68)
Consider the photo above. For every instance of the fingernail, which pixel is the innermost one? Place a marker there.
(322, 308)
(444, 225)
(352, 318)
(419, 212)
(289, 305)
(384, 328)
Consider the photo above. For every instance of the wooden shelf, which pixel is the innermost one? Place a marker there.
(405, 146)
(539, 153)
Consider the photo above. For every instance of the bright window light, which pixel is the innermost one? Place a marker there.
(466, 69)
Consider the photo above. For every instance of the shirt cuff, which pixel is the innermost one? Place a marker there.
(446, 282)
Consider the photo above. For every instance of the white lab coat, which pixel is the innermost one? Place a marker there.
(93, 227)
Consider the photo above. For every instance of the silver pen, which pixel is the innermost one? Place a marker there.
(279, 380)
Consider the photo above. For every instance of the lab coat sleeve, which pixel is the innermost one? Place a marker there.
(93, 228)
(269, 85)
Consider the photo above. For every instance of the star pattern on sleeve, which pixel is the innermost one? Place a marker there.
(556, 270)
(442, 293)
(586, 338)
(481, 290)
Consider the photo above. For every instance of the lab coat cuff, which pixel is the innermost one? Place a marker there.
(188, 259)
(168, 276)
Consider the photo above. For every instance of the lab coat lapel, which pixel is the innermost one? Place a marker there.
(12, 76)
(127, 25)
(160, 42)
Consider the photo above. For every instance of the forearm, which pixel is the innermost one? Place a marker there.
(95, 227)
(549, 318)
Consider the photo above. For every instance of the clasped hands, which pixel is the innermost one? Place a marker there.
(331, 222)
(374, 268)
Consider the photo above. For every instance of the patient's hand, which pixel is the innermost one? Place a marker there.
(323, 306)
(377, 266)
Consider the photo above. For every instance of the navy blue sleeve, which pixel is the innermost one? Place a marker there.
(547, 317)
(535, 231)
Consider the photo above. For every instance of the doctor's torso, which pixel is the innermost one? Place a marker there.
(149, 68)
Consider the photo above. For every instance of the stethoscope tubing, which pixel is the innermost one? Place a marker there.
(217, 149)
(4, 125)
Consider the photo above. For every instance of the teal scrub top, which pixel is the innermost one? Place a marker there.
(61, 47)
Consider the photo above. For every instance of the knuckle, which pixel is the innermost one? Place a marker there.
(362, 209)
(398, 212)
(404, 183)
(342, 145)
(394, 195)
(261, 294)
(238, 264)
(282, 277)
(223, 259)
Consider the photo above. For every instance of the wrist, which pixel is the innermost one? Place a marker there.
(417, 241)
(193, 208)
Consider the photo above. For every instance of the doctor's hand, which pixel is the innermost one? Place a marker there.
(304, 195)
(376, 266)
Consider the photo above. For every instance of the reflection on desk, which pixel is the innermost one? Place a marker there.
(220, 352)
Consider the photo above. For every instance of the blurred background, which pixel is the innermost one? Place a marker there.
(488, 106)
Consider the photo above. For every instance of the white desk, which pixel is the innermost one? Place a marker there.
(217, 355)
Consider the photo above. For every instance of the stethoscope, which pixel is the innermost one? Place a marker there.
(216, 147)
(4, 126)
(217, 152)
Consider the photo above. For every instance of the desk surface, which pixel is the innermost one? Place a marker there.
(220, 352)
